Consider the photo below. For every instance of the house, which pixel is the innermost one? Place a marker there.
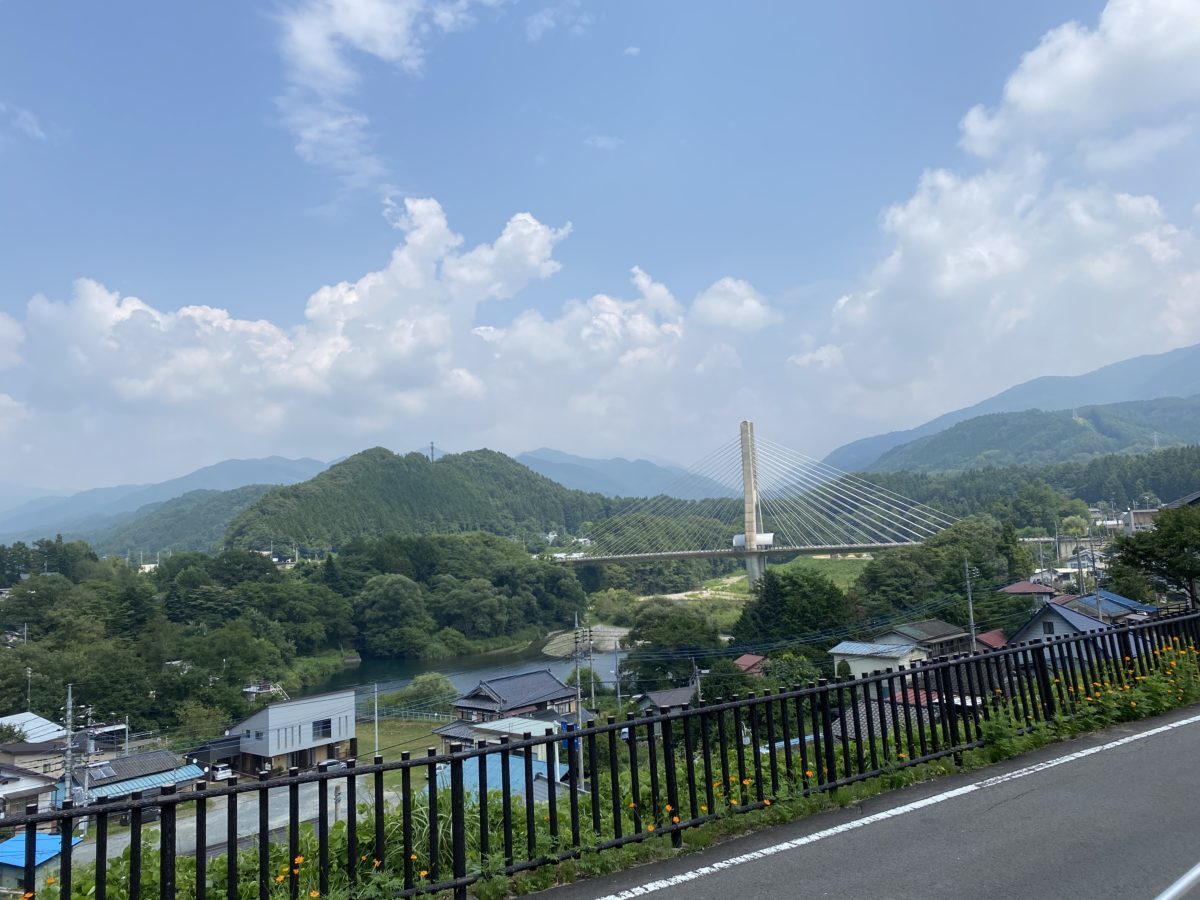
(933, 636)
(1031, 589)
(470, 734)
(34, 727)
(1055, 620)
(20, 788)
(46, 849)
(750, 663)
(537, 699)
(1138, 520)
(1192, 499)
(516, 695)
(863, 658)
(301, 732)
(43, 757)
(1108, 607)
(671, 699)
(991, 640)
(116, 778)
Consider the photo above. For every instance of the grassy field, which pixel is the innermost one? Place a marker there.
(842, 571)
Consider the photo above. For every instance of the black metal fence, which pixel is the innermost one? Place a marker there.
(441, 822)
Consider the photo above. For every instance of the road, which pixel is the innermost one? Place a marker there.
(277, 806)
(1109, 815)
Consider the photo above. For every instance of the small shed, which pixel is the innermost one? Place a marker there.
(863, 658)
(45, 858)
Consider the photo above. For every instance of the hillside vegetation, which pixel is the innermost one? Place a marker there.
(1035, 437)
(379, 492)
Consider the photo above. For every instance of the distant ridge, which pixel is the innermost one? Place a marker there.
(93, 509)
(1038, 438)
(619, 477)
(1175, 373)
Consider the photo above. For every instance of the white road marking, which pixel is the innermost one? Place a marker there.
(684, 877)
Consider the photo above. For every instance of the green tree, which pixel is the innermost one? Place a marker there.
(196, 722)
(429, 691)
(392, 618)
(1170, 551)
(793, 604)
(668, 638)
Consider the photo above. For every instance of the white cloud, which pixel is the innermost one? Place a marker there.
(1142, 59)
(602, 142)
(11, 336)
(827, 356)
(568, 15)
(1136, 148)
(20, 121)
(320, 41)
(732, 303)
(632, 51)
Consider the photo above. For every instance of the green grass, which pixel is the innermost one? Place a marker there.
(842, 571)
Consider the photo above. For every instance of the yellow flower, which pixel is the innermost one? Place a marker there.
(675, 819)
(808, 773)
(767, 802)
(632, 805)
(902, 756)
(314, 893)
(295, 871)
(363, 858)
(424, 872)
(649, 827)
(299, 859)
(377, 864)
(51, 880)
(279, 879)
(703, 807)
(745, 781)
(1133, 703)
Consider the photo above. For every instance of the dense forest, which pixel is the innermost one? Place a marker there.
(379, 492)
(1036, 437)
(173, 648)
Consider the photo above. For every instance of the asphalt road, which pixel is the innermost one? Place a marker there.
(1121, 821)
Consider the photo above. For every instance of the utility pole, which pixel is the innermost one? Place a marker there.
(127, 735)
(69, 723)
(377, 718)
(970, 601)
(29, 689)
(591, 665)
(696, 678)
(617, 675)
(578, 704)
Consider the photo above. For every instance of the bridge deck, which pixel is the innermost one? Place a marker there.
(815, 549)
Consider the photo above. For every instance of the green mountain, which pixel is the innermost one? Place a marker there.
(380, 492)
(1038, 438)
(195, 521)
(1175, 373)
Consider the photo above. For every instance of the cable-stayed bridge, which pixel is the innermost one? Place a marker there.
(762, 498)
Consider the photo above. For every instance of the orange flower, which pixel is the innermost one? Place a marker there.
(668, 807)
(314, 893)
(767, 802)
(675, 819)
(632, 805)
(412, 856)
(298, 860)
(424, 872)
(649, 827)
(378, 864)
(279, 879)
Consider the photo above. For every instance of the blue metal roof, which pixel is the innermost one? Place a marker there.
(116, 789)
(495, 772)
(1077, 620)
(1118, 601)
(46, 846)
(862, 648)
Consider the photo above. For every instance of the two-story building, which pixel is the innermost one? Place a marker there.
(301, 732)
(933, 636)
(537, 696)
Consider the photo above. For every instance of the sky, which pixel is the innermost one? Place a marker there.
(307, 227)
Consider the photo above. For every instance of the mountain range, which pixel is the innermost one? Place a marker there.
(1175, 373)
(102, 508)
(620, 477)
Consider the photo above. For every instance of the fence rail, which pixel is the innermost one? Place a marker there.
(440, 822)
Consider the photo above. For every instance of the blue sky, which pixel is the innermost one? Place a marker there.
(819, 222)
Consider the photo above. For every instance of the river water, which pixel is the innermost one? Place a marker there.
(464, 672)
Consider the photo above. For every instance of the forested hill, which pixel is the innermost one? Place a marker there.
(379, 492)
(1035, 437)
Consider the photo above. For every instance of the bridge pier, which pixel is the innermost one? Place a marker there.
(756, 564)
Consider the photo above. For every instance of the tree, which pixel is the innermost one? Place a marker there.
(1170, 551)
(392, 618)
(197, 723)
(10, 734)
(793, 604)
(667, 638)
(429, 691)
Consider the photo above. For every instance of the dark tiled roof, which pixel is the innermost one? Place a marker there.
(669, 698)
(124, 768)
(456, 731)
(927, 630)
(1191, 499)
(881, 716)
(517, 691)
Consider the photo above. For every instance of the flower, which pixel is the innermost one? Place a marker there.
(767, 802)
(363, 858)
(669, 807)
(412, 856)
(378, 864)
(745, 781)
(703, 807)
(295, 871)
(314, 893)
(299, 859)
(808, 773)
(902, 756)
(1133, 703)
(279, 879)
(649, 827)
(51, 880)
(424, 872)
(675, 819)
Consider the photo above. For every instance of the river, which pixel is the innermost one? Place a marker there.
(464, 672)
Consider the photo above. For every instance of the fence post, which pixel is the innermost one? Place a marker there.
(668, 742)
(458, 825)
(1043, 677)
(166, 843)
(946, 692)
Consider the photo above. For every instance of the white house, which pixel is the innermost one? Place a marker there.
(864, 658)
(300, 732)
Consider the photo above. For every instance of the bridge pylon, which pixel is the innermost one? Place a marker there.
(755, 542)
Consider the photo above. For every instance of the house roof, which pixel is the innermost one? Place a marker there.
(46, 846)
(458, 730)
(190, 772)
(10, 772)
(1191, 499)
(994, 638)
(669, 698)
(750, 662)
(124, 768)
(1027, 587)
(1076, 620)
(33, 748)
(862, 648)
(926, 630)
(1117, 599)
(35, 727)
(516, 691)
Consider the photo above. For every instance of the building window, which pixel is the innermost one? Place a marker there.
(1047, 628)
(258, 735)
(322, 728)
